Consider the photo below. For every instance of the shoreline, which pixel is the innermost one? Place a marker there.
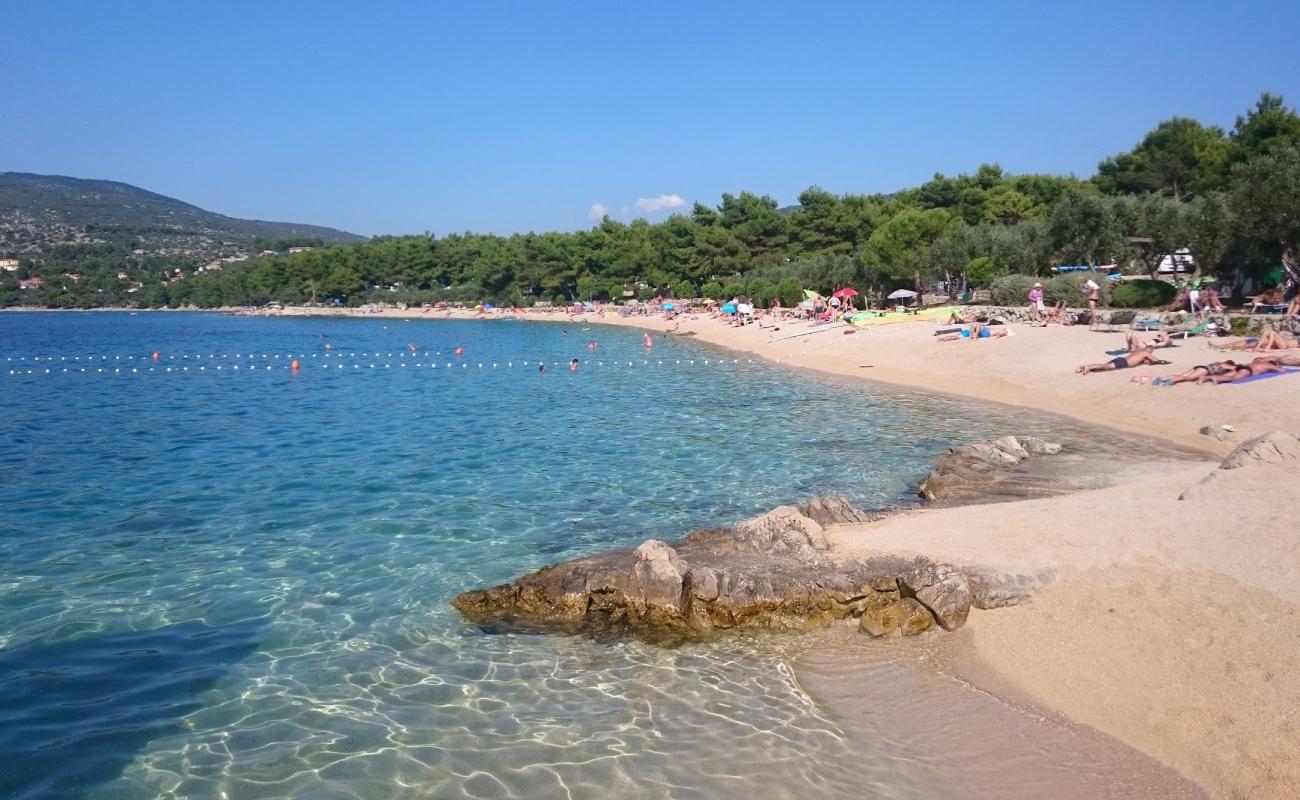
(1174, 618)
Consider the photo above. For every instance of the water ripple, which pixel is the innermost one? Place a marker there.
(237, 585)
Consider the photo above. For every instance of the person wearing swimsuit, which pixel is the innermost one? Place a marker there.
(1136, 358)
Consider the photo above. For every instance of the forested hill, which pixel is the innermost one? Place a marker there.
(1228, 198)
(38, 212)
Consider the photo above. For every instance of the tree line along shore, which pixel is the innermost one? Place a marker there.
(1229, 199)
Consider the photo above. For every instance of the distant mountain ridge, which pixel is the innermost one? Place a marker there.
(41, 211)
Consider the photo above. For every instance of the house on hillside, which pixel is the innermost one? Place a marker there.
(304, 249)
(32, 283)
(9, 264)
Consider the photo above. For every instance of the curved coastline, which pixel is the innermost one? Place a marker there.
(1175, 618)
(1129, 640)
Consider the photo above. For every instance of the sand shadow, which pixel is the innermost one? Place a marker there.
(76, 713)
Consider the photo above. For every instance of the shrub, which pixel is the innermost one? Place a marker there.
(1142, 294)
(712, 290)
(1011, 290)
(790, 291)
(1070, 289)
(762, 290)
(733, 290)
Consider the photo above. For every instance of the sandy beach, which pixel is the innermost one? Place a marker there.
(1173, 620)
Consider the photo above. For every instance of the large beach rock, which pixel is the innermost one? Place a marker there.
(989, 468)
(1271, 448)
(1275, 449)
(771, 572)
(942, 589)
(783, 530)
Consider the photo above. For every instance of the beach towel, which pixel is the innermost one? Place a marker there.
(1266, 376)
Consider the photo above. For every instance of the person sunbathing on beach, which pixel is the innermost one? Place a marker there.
(1056, 315)
(977, 330)
(964, 318)
(1270, 297)
(1136, 358)
(1195, 374)
(1271, 340)
(1260, 366)
(1135, 342)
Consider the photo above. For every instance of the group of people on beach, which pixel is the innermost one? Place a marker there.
(1140, 353)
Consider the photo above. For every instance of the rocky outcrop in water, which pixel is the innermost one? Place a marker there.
(991, 469)
(771, 572)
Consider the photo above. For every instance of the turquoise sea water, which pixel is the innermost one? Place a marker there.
(234, 583)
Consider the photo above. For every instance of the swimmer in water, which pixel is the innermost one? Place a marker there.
(647, 341)
(541, 368)
(573, 365)
(591, 345)
(329, 346)
(412, 346)
(460, 351)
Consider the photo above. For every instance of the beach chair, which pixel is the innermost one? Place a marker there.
(1268, 308)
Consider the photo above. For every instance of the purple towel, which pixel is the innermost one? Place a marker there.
(1267, 375)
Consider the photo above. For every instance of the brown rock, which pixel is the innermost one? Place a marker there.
(942, 589)
(916, 618)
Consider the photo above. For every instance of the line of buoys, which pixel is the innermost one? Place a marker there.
(295, 366)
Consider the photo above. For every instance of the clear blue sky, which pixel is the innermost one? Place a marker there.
(401, 117)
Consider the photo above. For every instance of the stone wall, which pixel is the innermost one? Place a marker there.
(1020, 314)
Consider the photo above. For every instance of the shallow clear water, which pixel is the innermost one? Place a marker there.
(235, 582)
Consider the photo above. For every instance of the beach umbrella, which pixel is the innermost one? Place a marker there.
(846, 292)
(810, 294)
(729, 308)
(898, 294)
(669, 307)
(710, 302)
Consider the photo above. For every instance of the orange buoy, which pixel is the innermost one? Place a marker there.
(294, 366)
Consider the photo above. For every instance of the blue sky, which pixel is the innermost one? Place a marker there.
(393, 117)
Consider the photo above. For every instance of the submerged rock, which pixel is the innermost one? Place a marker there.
(988, 468)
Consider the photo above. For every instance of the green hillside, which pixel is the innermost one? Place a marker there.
(38, 212)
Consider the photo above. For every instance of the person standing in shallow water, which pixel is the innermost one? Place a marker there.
(573, 365)
(647, 341)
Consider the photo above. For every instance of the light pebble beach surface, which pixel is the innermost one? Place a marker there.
(1173, 622)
